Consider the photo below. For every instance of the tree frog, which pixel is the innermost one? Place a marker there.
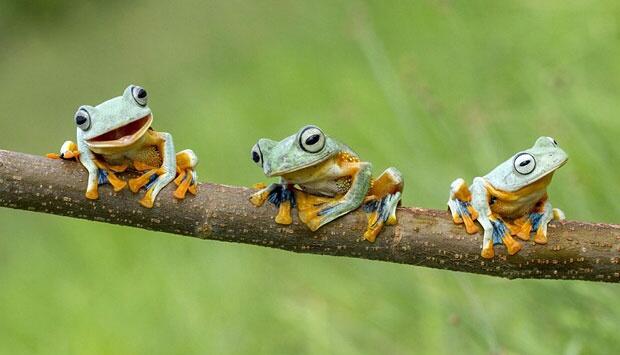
(116, 135)
(511, 199)
(324, 179)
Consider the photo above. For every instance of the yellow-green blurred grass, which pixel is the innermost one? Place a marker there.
(440, 89)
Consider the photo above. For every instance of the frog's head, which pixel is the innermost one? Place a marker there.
(118, 122)
(529, 166)
(308, 147)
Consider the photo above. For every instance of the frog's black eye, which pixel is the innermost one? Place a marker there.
(524, 163)
(82, 119)
(140, 95)
(312, 139)
(257, 155)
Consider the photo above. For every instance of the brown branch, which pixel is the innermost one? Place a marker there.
(576, 250)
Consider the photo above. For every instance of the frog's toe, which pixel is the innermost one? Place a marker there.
(92, 194)
(524, 232)
(148, 201)
(137, 183)
(259, 198)
(487, 250)
(284, 213)
(512, 246)
(541, 236)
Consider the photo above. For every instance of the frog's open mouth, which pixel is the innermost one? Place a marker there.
(122, 136)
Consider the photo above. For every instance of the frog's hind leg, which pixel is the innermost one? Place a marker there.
(460, 206)
(106, 175)
(381, 202)
(186, 179)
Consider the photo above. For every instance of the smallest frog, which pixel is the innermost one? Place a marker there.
(511, 199)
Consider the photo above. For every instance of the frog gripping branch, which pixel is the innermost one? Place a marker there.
(115, 136)
(324, 179)
(512, 199)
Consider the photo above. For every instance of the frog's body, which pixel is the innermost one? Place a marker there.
(511, 199)
(116, 135)
(324, 179)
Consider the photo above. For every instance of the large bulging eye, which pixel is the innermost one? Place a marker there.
(524, 163)
(257, 155)
(140, 95)
(312, 140)
(82, 119)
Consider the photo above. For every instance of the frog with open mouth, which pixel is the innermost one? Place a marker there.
(511, 199)
(116, 135)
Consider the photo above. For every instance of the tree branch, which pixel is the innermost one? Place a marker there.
(576, 250)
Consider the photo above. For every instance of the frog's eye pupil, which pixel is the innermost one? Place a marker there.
(257, 155)
(524, 163)
(82, 119)
(139, 95)
(312, 139)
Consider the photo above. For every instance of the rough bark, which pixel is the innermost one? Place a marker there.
(576, 250)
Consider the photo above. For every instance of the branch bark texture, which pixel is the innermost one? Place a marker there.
(423, 237)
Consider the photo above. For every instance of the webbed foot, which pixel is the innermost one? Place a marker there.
(68, 151)
(380, 212)
(186, 179)
(460, 206)
(314, 210)
(500, 235)
(381, 202)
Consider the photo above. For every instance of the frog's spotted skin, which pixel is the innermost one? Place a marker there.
(324, 179)
(116, 135)
(511, 199)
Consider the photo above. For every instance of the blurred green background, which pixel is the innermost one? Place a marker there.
(438, 88)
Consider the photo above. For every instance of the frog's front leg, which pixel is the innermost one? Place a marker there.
(165, 174)
(87, 158)
(495, 230)
(320, 214)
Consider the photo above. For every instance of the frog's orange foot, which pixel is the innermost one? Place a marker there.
(68, 151)
(284, 213)
(379, 212)
(148, 201)
(92, 194)
(185, 181)
(487, 250)
(501, 235)
(314, 210)
(143, 180)
(460, 206)
(258, 198)
(106, 177)
(541, 236)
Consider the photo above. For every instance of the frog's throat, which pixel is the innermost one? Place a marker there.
(122, 136)
(537, 185)
(301, 167)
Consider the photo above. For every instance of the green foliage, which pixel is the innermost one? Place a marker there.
(439, 89)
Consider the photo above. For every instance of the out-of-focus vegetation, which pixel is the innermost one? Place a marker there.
(440, 89)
